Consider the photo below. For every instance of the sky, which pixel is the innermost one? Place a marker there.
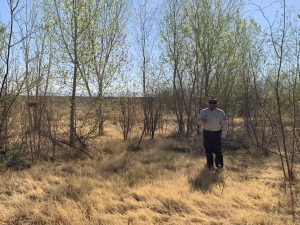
(270, 7)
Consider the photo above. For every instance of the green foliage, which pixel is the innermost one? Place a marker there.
(255, 27)
(2, 29)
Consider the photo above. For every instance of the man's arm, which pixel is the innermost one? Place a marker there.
(224, 125)
(199, 122)
(199, 119)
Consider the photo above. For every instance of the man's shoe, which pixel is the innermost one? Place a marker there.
(219, 168)
(210, 168)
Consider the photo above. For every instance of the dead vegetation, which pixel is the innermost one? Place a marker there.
(157, 185)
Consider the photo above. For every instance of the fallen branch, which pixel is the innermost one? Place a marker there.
(62, 142)
(72, 146)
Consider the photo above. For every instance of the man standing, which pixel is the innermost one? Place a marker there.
(215, 127)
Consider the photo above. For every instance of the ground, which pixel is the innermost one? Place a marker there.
(163, 183)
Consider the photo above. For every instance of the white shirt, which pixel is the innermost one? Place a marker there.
(216, 120)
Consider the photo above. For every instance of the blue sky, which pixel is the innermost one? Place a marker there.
(270, 7)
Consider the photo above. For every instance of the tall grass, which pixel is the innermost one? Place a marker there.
(161, 184)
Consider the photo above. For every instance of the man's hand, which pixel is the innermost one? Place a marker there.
(198, 130)
(222, 139)
(204, 120)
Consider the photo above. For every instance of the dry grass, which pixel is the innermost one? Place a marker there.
(159, 185)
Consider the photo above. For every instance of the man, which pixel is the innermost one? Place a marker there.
(215, 127)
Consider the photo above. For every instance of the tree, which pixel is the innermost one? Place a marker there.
(11, 83)
(281, 87)
(105, 50)
(71, 24)
(173, 38)
(202, 64)
(145, 39)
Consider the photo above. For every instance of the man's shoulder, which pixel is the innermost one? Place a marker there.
(204, 110)
(220, 110)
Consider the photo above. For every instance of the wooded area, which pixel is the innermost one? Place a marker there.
(81, 47)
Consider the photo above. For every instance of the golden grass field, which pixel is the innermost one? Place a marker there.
(164, 183)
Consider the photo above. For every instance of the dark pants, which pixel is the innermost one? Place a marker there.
(212, 144)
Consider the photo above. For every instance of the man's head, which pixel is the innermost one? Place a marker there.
(212, 103)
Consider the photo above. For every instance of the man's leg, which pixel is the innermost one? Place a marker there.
(218, 150)
(208, 149)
